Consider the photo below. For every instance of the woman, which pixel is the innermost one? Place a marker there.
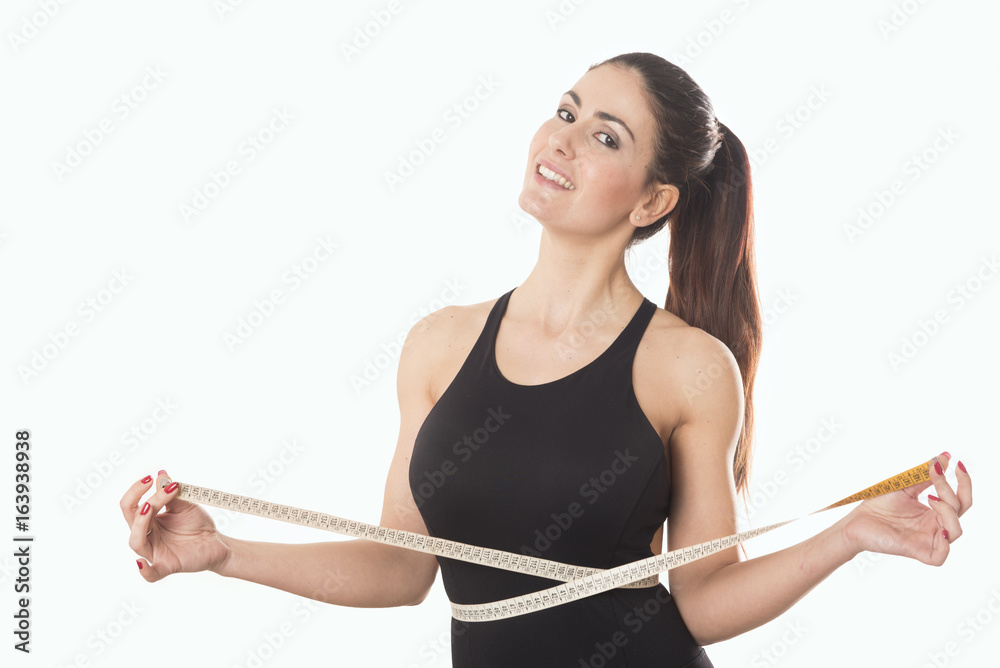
(566, 418)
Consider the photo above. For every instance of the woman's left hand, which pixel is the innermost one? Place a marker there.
(898, 523)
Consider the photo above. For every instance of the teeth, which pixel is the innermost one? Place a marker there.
(552, 176)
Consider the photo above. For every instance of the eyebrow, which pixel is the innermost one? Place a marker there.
(603, 115)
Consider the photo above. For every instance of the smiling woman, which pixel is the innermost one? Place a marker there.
(570, 416)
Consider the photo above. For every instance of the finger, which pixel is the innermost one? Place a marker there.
(130, 501)
(142, 527)
(148, 571)
(948, 519)
(964, 487)
(940, 549)
(142, 524)
(918, 489)
(941, 486)
(166, 492)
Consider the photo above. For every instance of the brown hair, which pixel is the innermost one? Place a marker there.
(713, 274)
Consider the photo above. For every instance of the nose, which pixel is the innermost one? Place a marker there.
(562, 141)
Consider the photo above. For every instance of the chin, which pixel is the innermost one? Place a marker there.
(531, 206)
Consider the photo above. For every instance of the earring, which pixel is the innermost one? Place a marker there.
(637, 216)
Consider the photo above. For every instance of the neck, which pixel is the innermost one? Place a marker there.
(577, 279)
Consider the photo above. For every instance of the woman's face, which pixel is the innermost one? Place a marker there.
(601, 139)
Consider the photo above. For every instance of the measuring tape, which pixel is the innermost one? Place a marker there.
(579, 581)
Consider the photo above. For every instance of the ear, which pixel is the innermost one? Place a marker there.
(661, 202)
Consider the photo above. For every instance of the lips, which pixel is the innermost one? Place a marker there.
(552, 173)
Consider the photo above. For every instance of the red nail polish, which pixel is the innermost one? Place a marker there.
(931, 497)
(170, 488)
(937, 467)
(145, 508)
(946, 454)
(962, 466)
(161, 473)
(148, 479)
(139, 561)
(944, 532)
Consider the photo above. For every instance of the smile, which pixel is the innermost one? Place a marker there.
(556, 178)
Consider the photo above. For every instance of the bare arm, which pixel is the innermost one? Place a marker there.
(360, 573)
(702, 447)
(703, 500)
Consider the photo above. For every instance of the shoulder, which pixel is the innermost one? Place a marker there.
(692, 371)
(436, 345)
(448, 325)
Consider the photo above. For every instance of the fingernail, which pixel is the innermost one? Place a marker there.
(944, 532)
(962, 466)
(937, 467)
(171, 487)
(139, 561)
(946, 454)
(145, 508)
(161, 473)
(931, 497)
(148, 479)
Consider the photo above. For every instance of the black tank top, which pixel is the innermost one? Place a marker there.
(570, 470)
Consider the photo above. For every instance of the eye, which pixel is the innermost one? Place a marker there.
(568, 113)
(612, 144)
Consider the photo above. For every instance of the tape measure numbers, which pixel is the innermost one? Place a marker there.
(579, 581)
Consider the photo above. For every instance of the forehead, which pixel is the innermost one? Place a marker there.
(618, 92)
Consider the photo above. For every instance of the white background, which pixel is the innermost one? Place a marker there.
(894, 76)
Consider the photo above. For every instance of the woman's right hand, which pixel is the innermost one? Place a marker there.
(181, 539)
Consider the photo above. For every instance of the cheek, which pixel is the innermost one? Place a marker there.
(540, 139)
(615, 184)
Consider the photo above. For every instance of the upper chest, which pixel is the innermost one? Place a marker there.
(528, 358)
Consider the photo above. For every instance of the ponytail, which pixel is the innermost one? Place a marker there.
(713, 273)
